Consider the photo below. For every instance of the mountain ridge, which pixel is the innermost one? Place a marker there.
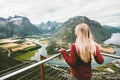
(16, 26)
(49, 27)
(66, 34)
(21, 26)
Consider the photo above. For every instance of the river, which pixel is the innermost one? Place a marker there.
(42, 51)
(115, 39)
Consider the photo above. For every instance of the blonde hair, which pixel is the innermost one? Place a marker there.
(85, 45)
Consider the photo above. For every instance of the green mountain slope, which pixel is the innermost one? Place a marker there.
(66, 34)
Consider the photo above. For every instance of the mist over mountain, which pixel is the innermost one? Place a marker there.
(17, 26)
(66, 33)
(49, 27)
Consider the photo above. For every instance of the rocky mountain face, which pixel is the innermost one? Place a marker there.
(66, 34)
(49, 27)
(17, 26)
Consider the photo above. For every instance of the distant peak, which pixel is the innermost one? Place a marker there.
(2, 19)
(48, 22)
(16, 16)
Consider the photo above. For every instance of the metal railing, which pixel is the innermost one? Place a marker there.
(110, 55)
(28, 67)
(43, 61)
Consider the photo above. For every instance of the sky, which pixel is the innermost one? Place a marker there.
(106, 12)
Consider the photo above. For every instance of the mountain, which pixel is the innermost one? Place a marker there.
(49, 27)
(17, 26)
(111, 29)
(66, 34)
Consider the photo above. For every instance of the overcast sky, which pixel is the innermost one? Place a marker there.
(107, 12)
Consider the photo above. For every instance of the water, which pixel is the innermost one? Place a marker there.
(115, 39)
(107, 59)
(42, 51)
(94, 64)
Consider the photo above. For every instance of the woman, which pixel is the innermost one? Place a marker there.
(82, 52)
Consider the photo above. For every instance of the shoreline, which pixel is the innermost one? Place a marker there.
(106, 48)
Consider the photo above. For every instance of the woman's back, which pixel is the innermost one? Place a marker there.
(82, 52)
(81, 70)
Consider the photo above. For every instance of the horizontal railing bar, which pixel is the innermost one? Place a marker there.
(28, 67)
(106, 54)
(11, 67)
(14, 70)
(35, 77)
(28, 74)
(110, 55)
(43, 61)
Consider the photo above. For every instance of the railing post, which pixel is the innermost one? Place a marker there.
(42, 68)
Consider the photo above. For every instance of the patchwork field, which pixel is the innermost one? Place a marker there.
(14, 46)
(21, 49)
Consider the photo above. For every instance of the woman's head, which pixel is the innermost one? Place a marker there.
(84, 43)
(82, 30)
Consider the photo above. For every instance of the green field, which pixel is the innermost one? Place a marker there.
(25, 56)
(26, 53)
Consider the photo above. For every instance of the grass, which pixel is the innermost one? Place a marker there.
(26, 53)
(109, 65)
(112, 66)
(43, 42)
(101, 68)
(14, 47)
(25, 56)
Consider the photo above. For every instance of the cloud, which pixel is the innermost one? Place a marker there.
(107, 12)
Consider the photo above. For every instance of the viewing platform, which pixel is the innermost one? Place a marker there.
(45, 70)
